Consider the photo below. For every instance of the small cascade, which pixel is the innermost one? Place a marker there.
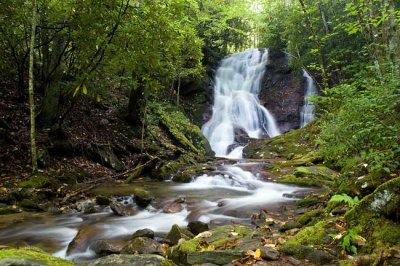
(236, 105)
(308, 110)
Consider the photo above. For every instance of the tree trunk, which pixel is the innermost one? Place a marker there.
(31, 94)
(135, 99)
(50, 106)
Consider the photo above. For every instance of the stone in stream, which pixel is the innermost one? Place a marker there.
(124, 260)
(107, 247)
(142, 197)
(197, 227)
(143, 233)
(143, 245)
(124, 206)
(175, 206)
(81, 241)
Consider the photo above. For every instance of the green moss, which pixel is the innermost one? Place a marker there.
(34, 254)
(304, 181)
(291, 145)
(308, 201)
(387, 233)
(36, 181)
(311, 235)
(310, 216)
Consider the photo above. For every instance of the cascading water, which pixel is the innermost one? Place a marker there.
(236, 105)
(308, 110)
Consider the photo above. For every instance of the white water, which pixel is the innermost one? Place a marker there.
(236, 104)
(308, 110)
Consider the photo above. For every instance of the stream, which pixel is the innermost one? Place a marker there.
(230, 194)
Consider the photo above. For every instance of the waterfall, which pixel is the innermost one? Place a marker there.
(307, 114)
(236, 105)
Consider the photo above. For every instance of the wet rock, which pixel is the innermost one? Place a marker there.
(143, 233)
(124, 206)
(269, 253)
(175, 206)
(86, 206)
(108, 247)
(123, 260)
(294, 261)
(280, 82)
(197, 227)
(9, 210)
(102, 200)
(219, 257)
(143, 245)
(177, 233)
(142, 197)
(81, 241)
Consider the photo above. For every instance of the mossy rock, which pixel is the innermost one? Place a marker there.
(307, 202)
(176, 233)
(37, 181)
(142, 245)
(317, 256)
(219, 239)
(310, 217)
(317, 175)
(317, 234)
(32, 257)
(142, 197)
(361, 185)
(379, 215)
(291, 145)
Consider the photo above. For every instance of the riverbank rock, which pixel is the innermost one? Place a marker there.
(317, 175)
(83, 238)
(143, 233)
(378, 214)
(104, 154)
(220, 242)
(142, 245)
(30, 257)
(176, 233)
(124, 260)
(197, 227)
(108, 247)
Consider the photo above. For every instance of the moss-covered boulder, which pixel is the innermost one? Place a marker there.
(176, 233)
(317, 175)
(291, 145)
(378, 214)
(142, 197)
(32, 257)
(221, 238)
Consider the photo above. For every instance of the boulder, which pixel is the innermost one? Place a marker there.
(175, 206)
(268, 253)
(142, 197)
(124, 206)
(105, 155)
(197, 227)
(107, 247)
(143, 245)
(30, 257)
(143, 233)
(123, 260)
(85, 236)
(218, 257)
(176, 233)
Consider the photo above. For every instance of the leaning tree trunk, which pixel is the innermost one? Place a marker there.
(31, 95)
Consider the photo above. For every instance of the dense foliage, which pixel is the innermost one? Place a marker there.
(351, 47)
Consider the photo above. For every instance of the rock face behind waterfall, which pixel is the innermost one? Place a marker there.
(282, 91)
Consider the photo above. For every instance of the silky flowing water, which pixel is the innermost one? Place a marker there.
(230, 194)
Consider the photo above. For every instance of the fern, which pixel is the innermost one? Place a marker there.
(346, 199)
(348, 241)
